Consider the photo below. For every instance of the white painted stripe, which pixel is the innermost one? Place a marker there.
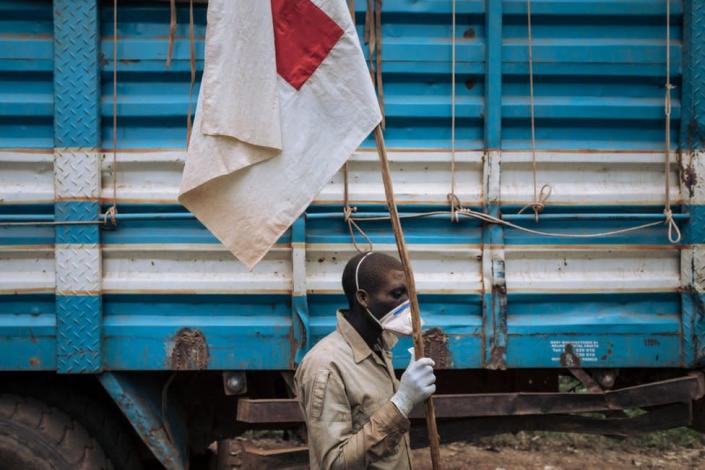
(298, 256)
(27, 271)
(577, 178)
(26, 177)
(638, 181)
(78, 269)
(593, 271)
(193, 272)
(169, 269)
(77, 174)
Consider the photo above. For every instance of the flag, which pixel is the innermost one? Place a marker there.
(285, 99)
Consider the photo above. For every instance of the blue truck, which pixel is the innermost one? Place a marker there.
(129, 334)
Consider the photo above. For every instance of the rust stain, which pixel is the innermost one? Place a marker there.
(30, 290)
(293, 346)
(435, 344)
(497, 361)
(33, 361)
(569, 358)
(190, 350)
(39, 151)
(689, 178)
(12, 248)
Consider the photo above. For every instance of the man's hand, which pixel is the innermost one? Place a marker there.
(417, 384)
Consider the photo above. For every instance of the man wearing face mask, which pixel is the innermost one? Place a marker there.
(356, 411)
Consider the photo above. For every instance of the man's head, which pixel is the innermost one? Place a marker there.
(381, 284)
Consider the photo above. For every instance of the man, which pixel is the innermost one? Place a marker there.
(355, 409)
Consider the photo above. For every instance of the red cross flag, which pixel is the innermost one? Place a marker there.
(285, 99)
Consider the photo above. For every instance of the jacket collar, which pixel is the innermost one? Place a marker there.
(359, 347)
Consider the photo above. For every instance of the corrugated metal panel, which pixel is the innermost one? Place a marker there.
(599, 83)
(26, 82)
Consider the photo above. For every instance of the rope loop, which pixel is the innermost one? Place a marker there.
(539, 203)
(456, 207)
(353, 226)
(672, 227)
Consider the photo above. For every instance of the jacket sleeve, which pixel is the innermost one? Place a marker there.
(332, 441)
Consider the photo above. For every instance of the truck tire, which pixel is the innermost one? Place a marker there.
(101, 422)
(34, 436)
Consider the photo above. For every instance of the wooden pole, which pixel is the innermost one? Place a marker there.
(433, 438)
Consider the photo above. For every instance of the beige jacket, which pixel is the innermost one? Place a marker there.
(344, 389)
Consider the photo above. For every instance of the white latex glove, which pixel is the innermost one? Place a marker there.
(418, 382)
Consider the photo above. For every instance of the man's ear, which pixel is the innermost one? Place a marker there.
(362, 297)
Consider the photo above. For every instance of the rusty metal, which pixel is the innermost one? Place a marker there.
(569, 358)
(269, 410)
(497, 361)
(689, 178)
(243, 455)
(700, 377)
(435, 343)
(666, 417)
(666, 392)
(585, 378)
(190, 351)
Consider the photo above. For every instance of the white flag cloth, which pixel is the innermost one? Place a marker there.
(285, 99)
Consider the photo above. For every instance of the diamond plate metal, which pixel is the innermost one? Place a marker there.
(78, 333)
(76, 174)
(77, 210)
(78, 270)
(692, 131)
(76, 74)
(697, 72)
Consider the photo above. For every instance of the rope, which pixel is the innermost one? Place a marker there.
(674, 233)
(112, 211)
(373, 39)
(352, 226)
(541, 197)
(496, 220)
(540, 202)
(453, 199)
(192, 54)
(172, 31)
(347, 209)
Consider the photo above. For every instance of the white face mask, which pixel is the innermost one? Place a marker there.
(397, 320)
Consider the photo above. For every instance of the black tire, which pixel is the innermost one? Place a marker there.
(34, 436)
(103, 423)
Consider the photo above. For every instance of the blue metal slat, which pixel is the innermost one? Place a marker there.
(26, 66)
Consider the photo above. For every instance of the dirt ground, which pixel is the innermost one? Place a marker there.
(674, 449)
(554, 451)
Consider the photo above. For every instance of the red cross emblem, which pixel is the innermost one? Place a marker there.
(303, 36)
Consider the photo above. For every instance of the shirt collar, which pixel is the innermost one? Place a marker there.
(359, 347)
